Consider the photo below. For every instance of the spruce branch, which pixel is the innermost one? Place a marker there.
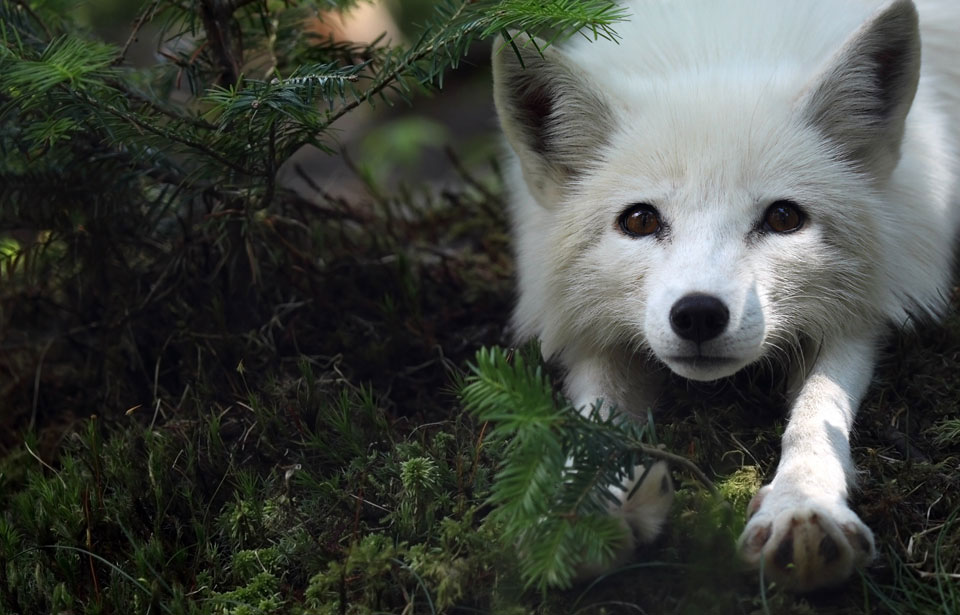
(561, 18)
(152, 105)
(170, 135)
(677, 460)
(420, 51)
(25, 6)
(553, 488)
(458, 24)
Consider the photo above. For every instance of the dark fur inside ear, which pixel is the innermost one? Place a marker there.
(893, 70)
(861, 101)
(549, 112)
(534, 108)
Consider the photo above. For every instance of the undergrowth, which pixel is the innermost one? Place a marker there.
(224, 397)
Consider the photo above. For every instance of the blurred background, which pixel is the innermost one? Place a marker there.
(389, 144)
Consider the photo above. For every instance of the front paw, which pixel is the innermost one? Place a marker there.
(642, 508)
(803, 543)
(645, 501)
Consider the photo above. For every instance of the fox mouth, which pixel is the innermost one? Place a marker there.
(702, 361)
(705, 368)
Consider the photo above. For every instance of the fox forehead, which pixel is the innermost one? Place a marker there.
(746, 151)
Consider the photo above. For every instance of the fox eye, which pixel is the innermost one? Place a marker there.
(783, 217)
(640, 220)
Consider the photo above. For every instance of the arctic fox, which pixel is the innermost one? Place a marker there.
(738, 181)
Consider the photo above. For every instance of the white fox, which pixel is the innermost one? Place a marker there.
(738, 181)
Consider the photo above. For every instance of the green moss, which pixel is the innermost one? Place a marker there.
(739, 487)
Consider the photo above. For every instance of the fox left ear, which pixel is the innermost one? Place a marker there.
(862, 99)
(550, 115)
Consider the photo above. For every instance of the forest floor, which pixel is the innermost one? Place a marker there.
(317, 459)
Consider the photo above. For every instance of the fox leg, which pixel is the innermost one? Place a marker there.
(800, 528)
(642, 514)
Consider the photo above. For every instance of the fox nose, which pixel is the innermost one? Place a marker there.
(698, 317)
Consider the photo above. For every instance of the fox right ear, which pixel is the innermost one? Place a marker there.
(553, 121)
(861, 100)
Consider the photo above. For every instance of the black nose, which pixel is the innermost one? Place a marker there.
(698, 317)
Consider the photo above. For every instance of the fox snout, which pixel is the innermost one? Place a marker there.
(699, 317)
(706, 334)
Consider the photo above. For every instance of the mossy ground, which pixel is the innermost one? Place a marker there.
(335, 472)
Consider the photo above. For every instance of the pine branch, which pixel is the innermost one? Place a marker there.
(169, 135)
(420, 52)
(25, 6)
(558, 464)
(462, 22)
(153, 106)
(561, 18)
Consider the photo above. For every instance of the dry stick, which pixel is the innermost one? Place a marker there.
(216, 19)
(146, 15)
(36, 383)
(271, 167)
(489, 197)
(677, 460)
(44, 464)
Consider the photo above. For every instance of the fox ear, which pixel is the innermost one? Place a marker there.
(861, 100)
(550, 117)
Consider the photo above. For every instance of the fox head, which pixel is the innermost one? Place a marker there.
(712, 214)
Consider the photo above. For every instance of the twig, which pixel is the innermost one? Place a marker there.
(344, 210)
(688, 465)
(363, 501)
(216, 17)
(467, 177)
(163, 133)
(271, 167)
(140, 98)
(902, 443)
(44, 463)
(146, 15)
(489, 197)
(36, 383)
(476, 453)
(29, 11)
(933, 575)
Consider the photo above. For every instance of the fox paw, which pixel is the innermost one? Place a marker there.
(647, 508)
(802, 543)
(644, 505)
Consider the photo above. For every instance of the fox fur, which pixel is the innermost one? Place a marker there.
(727, 122)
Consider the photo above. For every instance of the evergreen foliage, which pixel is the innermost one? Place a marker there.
(552, 492)
(161, 180)
(221, 396)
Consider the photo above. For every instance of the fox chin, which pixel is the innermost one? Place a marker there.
(733, 182)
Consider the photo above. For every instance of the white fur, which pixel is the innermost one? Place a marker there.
(710, 110)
